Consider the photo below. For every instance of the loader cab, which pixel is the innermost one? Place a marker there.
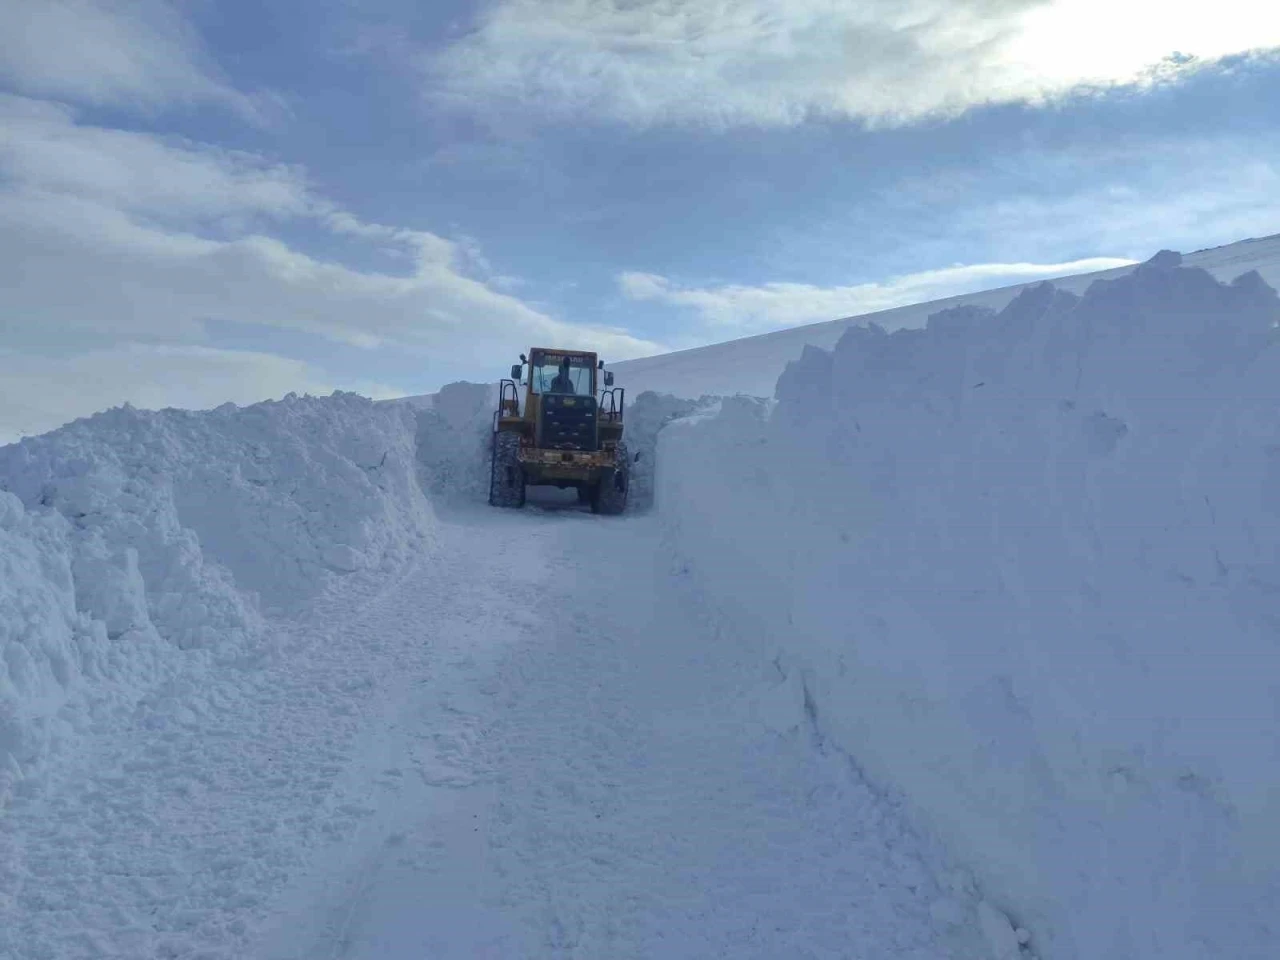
(562, 384)
(554, 371)
(561, 371)
(561, 402)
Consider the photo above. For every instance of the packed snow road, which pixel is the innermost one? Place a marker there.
(530, 744)
(586, 771)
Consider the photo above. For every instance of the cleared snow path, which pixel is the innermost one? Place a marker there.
(603, 776)
(532, 743)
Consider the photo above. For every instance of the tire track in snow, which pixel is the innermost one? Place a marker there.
(650, 790)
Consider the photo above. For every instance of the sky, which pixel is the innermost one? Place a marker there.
(210, 201)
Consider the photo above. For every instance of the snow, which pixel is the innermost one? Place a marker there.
(134, 541)
(959, 640)
(453, 438)
(588, 779)
(752, 365)
(276, 495)
(1027, 566)
(471, 758)
(644, 418)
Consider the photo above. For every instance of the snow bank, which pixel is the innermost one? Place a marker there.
(47, 645)
(454, 434)
(644, 419)
(132, 536)
(280, 496)
(1028, 566)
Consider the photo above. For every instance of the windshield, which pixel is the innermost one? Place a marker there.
(558, 373)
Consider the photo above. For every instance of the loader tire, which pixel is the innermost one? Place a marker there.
(610, 495)
(506, 475)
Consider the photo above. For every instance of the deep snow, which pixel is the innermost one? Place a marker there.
(477, 757)
(973, 622)
(1028, 566)
(134, 542)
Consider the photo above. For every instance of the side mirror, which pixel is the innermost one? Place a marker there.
(638, 455)
(600, 365)
(523, 358)
(516, 368)
(608, 378)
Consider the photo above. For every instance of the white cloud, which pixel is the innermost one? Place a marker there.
(759, 62)
(109, 238)
(737, 310)
(158, 233)
(140, 53)
(43, 150)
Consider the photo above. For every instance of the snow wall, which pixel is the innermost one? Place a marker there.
(134, 544)
(1028, 567)
(453, 438)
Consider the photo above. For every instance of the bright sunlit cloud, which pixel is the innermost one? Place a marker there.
(757, 62)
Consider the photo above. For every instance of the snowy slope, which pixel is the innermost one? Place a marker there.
(752, 365)
(1028, 566)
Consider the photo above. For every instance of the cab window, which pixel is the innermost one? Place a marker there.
(550, 374)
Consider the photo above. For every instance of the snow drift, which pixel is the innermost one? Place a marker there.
(133, 541)
(1027, 564)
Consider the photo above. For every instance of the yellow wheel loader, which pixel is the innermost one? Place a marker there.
(565, 430)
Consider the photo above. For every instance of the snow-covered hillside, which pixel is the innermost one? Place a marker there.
(1028, 567)
(751, 365)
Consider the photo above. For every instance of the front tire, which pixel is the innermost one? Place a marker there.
(610, 494)
(506, 473)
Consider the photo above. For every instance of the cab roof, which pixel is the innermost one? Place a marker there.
(562, 350)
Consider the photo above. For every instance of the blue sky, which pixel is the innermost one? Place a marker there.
(206, 201)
